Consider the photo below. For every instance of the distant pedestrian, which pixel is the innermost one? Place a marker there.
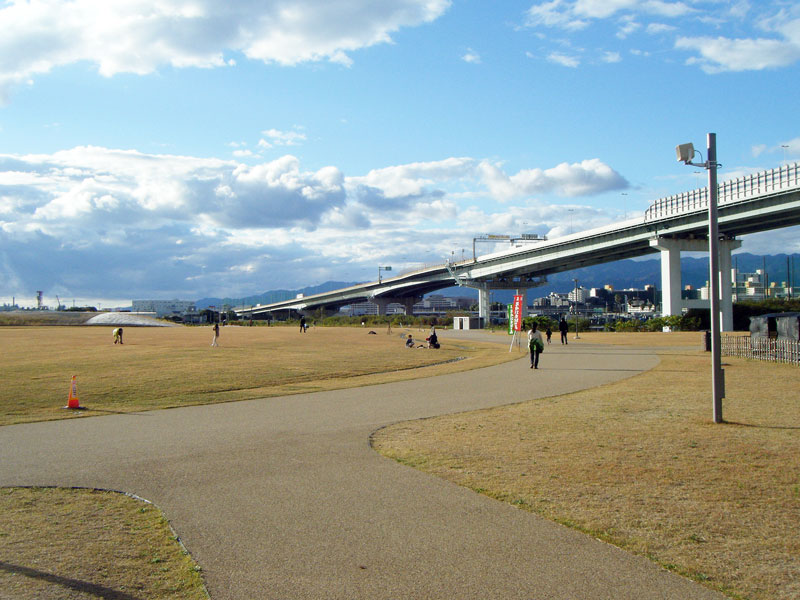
(535, 345)
(548, 333)
(302, 324)
(216, 335)
(563, 327)
(117, 335)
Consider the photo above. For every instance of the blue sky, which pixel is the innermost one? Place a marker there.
(153, 149)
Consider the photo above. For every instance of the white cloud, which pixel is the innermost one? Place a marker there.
(555, 13)
(139, 36)
(788, 149)
(611, 57)
(720, 54)
(578, 14)
(172, 226)
(585, 178)
(778, 46)
(276, 137)
(564, 60)
(739, 10)
(471, 57)
(627, 27)
(657, 28)
(724, 54)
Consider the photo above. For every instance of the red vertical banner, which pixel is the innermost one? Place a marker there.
(517, 313)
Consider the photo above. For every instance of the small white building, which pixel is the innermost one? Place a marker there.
(466, 323)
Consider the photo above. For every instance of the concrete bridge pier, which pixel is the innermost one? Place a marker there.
(382, 304)
(484, 305)
(725, 283)
(408, 303)
(671, 286)
(524, 293)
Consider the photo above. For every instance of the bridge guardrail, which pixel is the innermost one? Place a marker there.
(764, 182)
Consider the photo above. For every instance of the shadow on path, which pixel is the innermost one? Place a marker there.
(73, 584)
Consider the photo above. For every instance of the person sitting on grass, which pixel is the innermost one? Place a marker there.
(433, 340)
(410, 341)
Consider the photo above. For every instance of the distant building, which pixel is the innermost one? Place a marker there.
(164, 308)
(690, 293)
(438, 304)
(756, 287)
(578, 295)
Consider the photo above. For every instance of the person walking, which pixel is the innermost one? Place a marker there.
(302, 324)
(535, 345)
(216, 335)
(563, 327)
(549, 334)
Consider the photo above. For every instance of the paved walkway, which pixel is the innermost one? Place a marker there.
(284, 499)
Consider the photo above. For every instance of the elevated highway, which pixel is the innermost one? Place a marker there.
(759, 202)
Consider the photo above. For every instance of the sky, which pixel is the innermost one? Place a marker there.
(185, 149)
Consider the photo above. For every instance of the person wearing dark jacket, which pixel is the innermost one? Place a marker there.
(563, 327)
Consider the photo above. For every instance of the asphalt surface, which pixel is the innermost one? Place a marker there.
(283, 498)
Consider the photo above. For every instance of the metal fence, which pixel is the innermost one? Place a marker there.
(761, 348)
(763, 183)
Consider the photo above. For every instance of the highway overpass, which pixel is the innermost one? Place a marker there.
(759, 202)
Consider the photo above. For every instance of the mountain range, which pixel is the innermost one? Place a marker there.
(622, 274)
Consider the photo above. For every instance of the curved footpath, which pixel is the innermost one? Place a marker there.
(283, 498)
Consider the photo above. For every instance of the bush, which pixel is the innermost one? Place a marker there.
(542, 323)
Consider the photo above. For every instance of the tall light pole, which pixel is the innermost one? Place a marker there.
(685, 154)
(382, 269)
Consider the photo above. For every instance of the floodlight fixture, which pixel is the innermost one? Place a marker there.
(685, 154)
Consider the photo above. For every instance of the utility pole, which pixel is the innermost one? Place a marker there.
(717, 374)
(685, 153)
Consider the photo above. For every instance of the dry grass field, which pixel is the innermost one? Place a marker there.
(86, 544)
(175, 366)
(639, 463)
(58, 544)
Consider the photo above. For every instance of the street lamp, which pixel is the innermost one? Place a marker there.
(382, 269)
(685, 153)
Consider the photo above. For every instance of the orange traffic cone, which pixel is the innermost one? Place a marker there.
(72, 402)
